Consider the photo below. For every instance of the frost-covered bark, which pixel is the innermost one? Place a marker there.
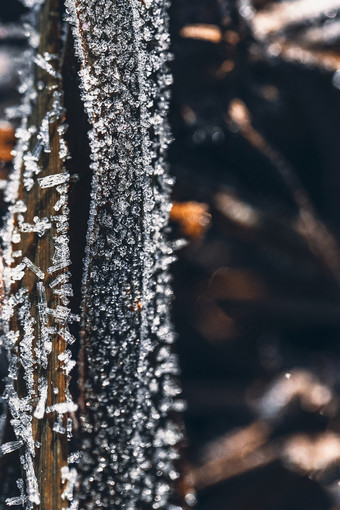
(36, 254)
(129, 438)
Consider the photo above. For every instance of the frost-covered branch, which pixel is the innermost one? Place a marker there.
(36, 311)
(129, 439)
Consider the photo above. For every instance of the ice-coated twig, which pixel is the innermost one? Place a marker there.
(31, 479)
(35, 316)
(123, 47)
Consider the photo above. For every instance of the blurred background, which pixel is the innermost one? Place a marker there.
(255, 116)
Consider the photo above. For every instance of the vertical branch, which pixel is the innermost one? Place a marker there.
(37, 276)
(129, 433)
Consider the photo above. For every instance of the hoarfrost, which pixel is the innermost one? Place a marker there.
(40, 409)
(16, 501)
(43, 62)
(10, 447)
(40, 226)
(69, 475)
(62, 408)
(33, 268)
(53, 180)
(123, 47)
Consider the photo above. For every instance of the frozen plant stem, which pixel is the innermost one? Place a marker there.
(35, 239)
(130, 435)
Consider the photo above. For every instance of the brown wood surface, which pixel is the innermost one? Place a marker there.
(52, 455)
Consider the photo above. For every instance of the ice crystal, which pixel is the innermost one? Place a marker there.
(63, 292)
(58, 427)
(123, 46)
(60, 265)
(68, 362)
(74, 457)
(33, 268)
(10, 447)
(53, 180)
(16, 501)
(40, 409)
(40, 226)
(31, 168)
(63, 408)
(43, 62)
(62, 278)
(69, 475)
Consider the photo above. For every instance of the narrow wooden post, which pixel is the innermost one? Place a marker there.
(38, 279)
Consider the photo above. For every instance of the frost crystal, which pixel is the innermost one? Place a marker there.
(43, 62)
(33, 268)
(10, 447)
(60, 265)
(40, 409)
(129, 452)
(62, 408)
(69, 475)
(40, 226)
(53, 180)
